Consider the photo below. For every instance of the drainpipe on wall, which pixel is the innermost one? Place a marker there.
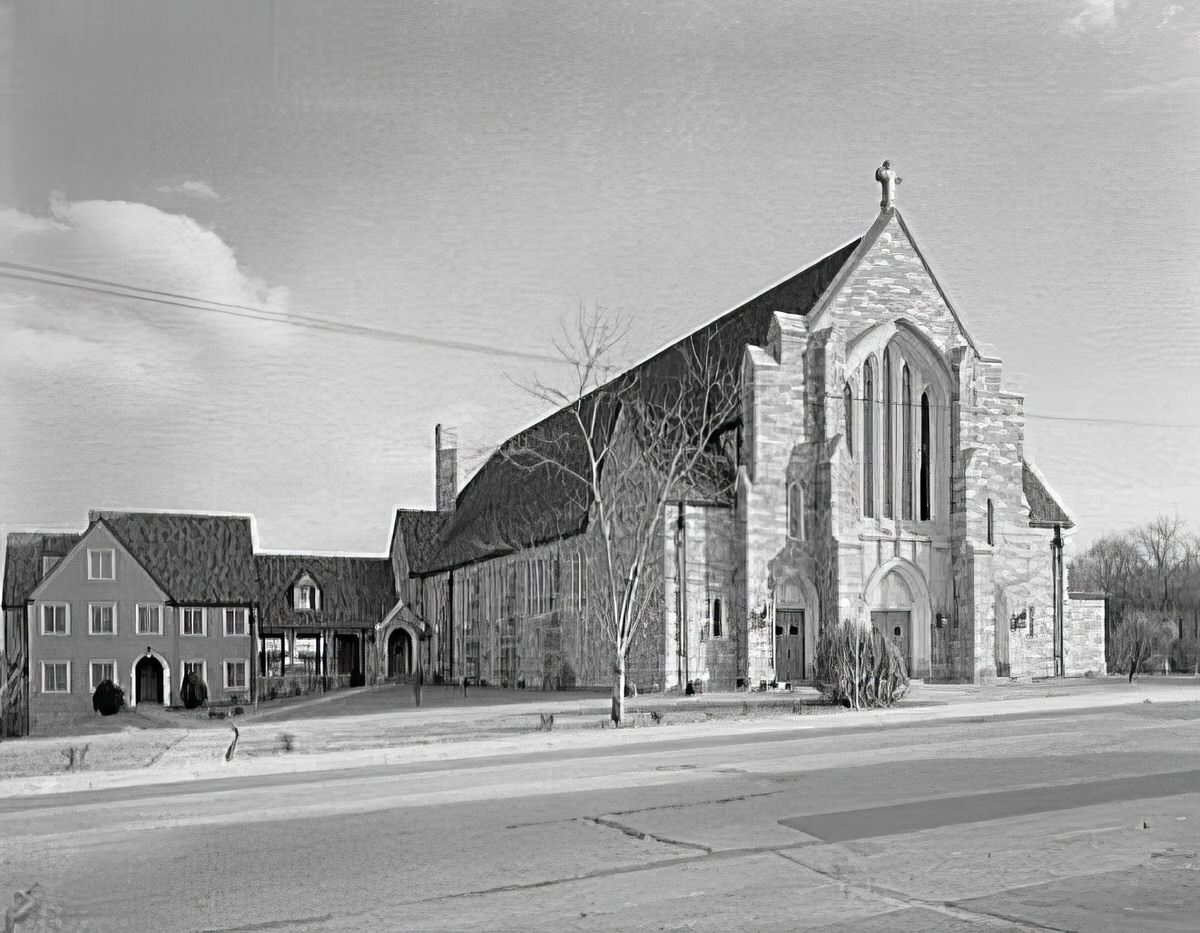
(681, 559)
(255, 654)
(450, 622)
(1056, 568)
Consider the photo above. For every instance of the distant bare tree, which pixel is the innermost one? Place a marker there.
(1164, 543)
(1155, 568)
(624, 446)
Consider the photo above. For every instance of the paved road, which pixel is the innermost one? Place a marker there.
(1070, 821)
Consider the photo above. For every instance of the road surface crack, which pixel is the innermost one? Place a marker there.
(641, 834)
(902, 900)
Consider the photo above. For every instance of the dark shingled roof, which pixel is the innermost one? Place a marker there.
(356, 592)
(505, 507)
(195, 559)
(1044, 509)
(419, 531)
(23, 562)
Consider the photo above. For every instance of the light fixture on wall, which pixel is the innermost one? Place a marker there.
(940, 620)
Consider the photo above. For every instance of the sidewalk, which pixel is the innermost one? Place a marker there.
(440, 733)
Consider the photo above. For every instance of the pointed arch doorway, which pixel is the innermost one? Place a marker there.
(898, 597)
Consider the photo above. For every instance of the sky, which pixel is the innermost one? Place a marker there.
(426, 189)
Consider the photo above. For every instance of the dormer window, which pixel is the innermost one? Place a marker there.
(306, 596)
(49, 562)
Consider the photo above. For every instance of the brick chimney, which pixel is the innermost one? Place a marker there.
(445, 447)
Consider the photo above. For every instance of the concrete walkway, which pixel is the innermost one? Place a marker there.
(436, 734)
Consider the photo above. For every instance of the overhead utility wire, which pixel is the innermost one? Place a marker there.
(266, 315)
(318, 323)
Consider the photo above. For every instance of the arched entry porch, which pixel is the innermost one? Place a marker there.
(150, 680)
(400, 653)
(897, 598)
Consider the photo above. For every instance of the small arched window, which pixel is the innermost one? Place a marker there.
(795, 510)
(991, 523)
(886, 446)
(868, 434)
(848, 402)
(718, 629)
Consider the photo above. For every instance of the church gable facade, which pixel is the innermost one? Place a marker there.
(880, 478)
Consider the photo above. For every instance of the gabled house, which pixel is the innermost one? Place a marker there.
(139, 598)
(316, 615)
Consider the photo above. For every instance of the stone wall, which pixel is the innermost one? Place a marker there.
(1083, 636)
(778, 451)
(698, 651)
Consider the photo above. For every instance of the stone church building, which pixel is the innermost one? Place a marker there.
(879, 475)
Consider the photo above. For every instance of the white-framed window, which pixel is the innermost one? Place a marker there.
(100, 671)
(102, 618)
(56, 619)
(237, 674)
(149, 619)
(192, 621)
(306, 596)
(199, 667)
(235, 621)
(102, 563)
(56, 677)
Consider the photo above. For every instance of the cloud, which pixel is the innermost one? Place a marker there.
(138, 245)
(1096, 16)
(195, 189)
(1115, 22)
(51, 327)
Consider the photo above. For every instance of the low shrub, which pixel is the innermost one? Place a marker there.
(108, 698)
(857, 666)
(1185, 656)
(194, 692)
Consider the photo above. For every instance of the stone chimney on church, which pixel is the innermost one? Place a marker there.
(445, 452)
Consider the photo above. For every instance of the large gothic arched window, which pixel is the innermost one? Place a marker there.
(906, 452)
(868, 453)
(888, 442)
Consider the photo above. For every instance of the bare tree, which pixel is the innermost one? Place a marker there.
(1164, 544)
(623, 446)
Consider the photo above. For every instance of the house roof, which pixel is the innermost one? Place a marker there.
(506, 506)
(23, 561)
(356, 592)
(198, 559)
(419, 531)
(1045, 511)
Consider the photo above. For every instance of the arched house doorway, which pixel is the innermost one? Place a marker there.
(150, 680)
(897, 598)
